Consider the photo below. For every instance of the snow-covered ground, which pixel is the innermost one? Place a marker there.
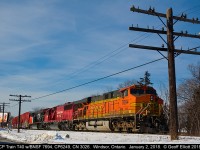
(70, 137)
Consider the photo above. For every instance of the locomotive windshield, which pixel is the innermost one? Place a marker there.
(142, 91)
(124, 93)
(151, 91)
(67, 107)
(137, 91)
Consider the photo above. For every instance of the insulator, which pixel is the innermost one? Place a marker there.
(185, 16)
(150, 8)
(182, 15)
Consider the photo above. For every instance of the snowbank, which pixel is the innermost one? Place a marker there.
(71, 137)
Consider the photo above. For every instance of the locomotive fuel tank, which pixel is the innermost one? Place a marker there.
(100, 125)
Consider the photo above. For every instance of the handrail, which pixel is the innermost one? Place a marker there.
(139, 110)
(145, 108)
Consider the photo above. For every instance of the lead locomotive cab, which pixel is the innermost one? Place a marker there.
(146, 107)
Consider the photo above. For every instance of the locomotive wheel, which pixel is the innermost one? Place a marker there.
(111, 126)
(129, 130)
(61, 126)
(76, 127)
(82, 126)
(114, 126)
(71, 127)
(116, 129)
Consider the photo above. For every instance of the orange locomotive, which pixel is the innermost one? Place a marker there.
(136, 108)
(132, 109)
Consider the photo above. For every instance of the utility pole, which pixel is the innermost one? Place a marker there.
(171, 51)
(20, 101)
(3, 104)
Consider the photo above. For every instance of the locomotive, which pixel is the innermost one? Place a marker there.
(136, 108)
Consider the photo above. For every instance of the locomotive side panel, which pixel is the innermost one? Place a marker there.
(53, 118)
(24, 120)
(14, 122)
(68, 112)
(59, 113)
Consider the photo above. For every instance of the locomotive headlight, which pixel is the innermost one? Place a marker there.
(151, 98)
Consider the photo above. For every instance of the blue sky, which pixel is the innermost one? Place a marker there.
(51, 45)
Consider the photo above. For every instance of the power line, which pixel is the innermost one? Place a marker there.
(111, 54)
(195, 7)
(194, 11)
(14, 105)
(95, 64)
(104, 58)
(98, 79)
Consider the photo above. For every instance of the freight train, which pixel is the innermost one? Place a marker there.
(135, 108)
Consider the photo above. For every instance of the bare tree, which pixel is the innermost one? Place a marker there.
(164, 93)
(189, 95)
(165, 96)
